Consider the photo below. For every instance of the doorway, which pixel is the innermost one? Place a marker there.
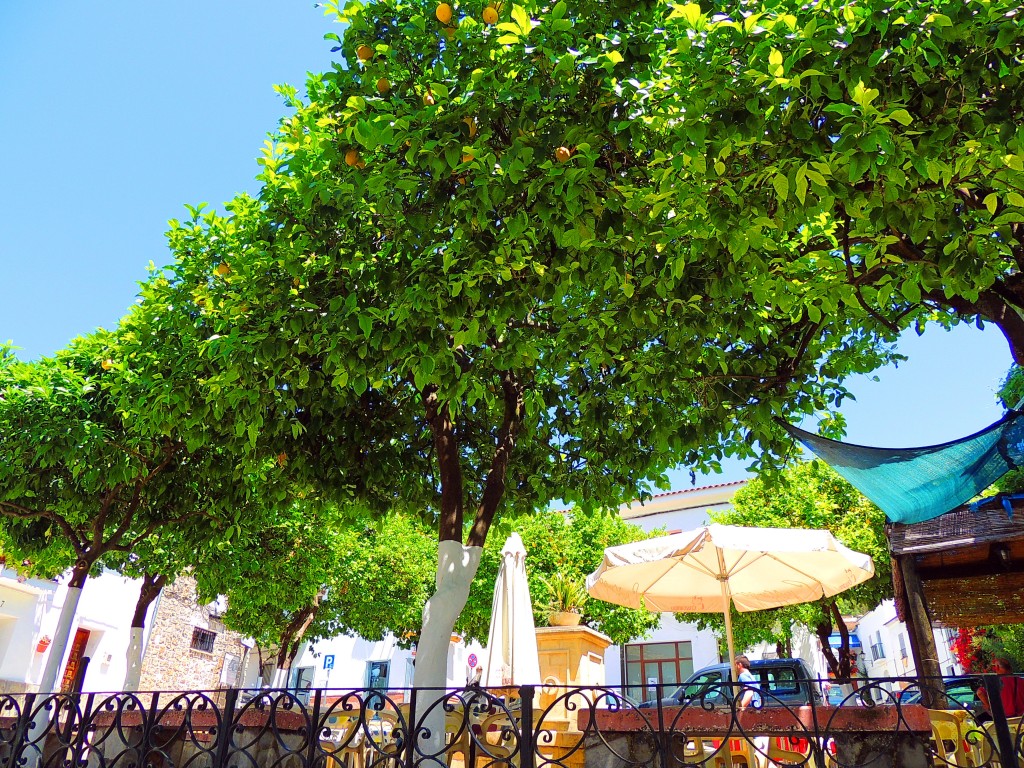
(77, 662)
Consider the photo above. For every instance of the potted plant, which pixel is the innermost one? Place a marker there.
(566, 598)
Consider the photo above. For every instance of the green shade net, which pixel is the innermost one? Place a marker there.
(915, 484)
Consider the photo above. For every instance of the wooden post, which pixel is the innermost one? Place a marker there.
(922, 641)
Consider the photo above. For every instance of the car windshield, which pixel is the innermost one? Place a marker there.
(707, 685)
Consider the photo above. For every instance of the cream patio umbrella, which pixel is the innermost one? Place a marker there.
(705, 569)
(512, 641)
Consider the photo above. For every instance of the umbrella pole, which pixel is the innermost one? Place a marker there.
(728, 623)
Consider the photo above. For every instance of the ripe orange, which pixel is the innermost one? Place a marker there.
(364, 52)
(428, 99)
(352, 157)
(383, 86)
(223, 269)
(562, 154)
(443, 13)
(490, 15)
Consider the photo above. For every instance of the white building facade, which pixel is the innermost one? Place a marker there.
(885, 641)
(98, 643)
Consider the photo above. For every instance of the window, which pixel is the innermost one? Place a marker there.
(377, 674)
(877, 649)
(903, 645)
(303, 681)
(646, 664)
(779, 681)
(203, 639)
(708, 688)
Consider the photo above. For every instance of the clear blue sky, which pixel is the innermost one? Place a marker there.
(117, 113)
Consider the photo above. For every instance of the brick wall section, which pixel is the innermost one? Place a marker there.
(170, 663)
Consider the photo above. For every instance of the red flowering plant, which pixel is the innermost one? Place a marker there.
(968, 650)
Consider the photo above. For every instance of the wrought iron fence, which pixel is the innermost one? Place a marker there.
(526, 727)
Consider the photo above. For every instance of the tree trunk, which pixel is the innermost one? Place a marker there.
(152, 584)
(292, 636)
(63, 632)
(456, 566)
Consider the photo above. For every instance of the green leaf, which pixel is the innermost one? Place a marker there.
(801, 186)
(991, 201)
(864, 96)
(1015, 199)
(559, 10)
(781, 184)
(522, 19)
(901, 116)
(690, 12)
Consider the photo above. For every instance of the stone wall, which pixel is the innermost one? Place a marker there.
(171, 663)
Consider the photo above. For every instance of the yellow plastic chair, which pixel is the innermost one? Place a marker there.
(788, 754)
(949, 733)
(983, 744)
(499, 740)
(345, 746)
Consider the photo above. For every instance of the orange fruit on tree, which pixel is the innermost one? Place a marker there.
(361, 164)
(428, 99)
(443, 13)
(364, 52)
(490, 15)
(562, 154)
(106, 365)
(449, 33)
(352, 157)
(223, 269)
(383, 86)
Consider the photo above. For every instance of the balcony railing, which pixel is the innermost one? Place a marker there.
(526, 727)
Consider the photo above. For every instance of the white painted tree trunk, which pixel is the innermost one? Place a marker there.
(133, 675)
(49, 680)
(60, 640)
(456, 566)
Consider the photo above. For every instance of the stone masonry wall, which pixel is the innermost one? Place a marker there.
(170, 663)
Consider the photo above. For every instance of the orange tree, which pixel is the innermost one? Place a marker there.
(495, 264)
(80, 489)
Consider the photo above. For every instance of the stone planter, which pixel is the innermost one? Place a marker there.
(564, 619)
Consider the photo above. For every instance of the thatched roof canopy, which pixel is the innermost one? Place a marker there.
(971, 564)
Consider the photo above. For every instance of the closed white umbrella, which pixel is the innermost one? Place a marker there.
(705, 569)
(512, 641)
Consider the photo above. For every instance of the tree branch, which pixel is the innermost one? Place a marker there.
(494, 486)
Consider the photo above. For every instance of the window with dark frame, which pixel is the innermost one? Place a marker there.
(666, 663)
(203, 639)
